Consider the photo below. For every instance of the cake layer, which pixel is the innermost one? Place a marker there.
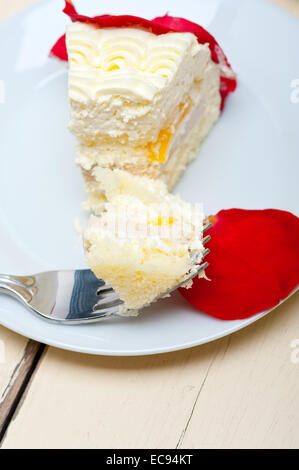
(187, 144)
(146, 240)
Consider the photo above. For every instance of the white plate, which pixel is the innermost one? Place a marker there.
(249, 159)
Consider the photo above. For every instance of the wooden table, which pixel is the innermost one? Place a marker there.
(239, 391)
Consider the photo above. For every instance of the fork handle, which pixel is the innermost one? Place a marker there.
(17, 286)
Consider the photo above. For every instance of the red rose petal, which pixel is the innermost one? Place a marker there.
(253, 263)
(59, 49)
(159, 25)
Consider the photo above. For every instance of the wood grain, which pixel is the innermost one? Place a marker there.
(250, 398)
(12, 347)
(240, 391)
(84, 401)
(17, 358)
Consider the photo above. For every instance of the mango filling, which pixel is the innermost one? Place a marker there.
(158, 151)
(162, 221)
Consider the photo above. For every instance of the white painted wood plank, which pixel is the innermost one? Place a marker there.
(8, 8)
(239, 391)
(17, 358)
(84, 401)
(251, 395)
(12, 347)
(290, 5)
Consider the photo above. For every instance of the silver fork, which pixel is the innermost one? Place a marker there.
(73, 297)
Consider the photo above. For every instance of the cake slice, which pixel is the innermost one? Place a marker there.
(140, 102)
(145, 241)
(143, 95)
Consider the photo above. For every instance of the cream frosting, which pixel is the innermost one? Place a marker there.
(128, 84)
(129, 61)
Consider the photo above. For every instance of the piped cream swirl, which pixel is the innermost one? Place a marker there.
(126, 61)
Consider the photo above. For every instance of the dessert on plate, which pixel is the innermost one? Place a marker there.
(139, 102)
(145, 241)
(143, 93)
(143, 96)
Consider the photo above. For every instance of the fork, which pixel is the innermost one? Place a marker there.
(74, 296)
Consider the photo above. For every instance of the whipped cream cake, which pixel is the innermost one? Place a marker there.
(139, 102)
(145, 241)
(143, 95)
